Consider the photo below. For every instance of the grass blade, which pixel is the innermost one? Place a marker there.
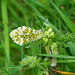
(65, 18)
(58, 56)
(6, 34)
(72, 47)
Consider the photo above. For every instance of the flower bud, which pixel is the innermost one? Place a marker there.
(45, 40)
(50, 30)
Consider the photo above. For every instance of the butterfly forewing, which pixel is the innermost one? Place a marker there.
(23, 35)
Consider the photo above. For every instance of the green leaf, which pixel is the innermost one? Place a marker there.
(58, 56)
(72, 47)
(65, 61)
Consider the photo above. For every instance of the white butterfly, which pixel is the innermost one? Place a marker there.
(23, 35)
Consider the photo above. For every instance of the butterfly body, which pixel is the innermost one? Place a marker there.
(23, 35)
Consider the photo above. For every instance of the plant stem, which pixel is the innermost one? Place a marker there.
(21, 59)
(41, 67)
(21, 52)
(6, 34)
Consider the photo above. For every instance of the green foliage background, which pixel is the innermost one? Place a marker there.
(32, 13)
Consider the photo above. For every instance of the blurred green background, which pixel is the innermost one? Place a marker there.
(32, 13)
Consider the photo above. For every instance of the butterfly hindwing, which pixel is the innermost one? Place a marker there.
(23, 35)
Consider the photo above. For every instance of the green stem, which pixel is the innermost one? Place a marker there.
(21, 52)
(6, 34)
(18, 67)
(21, 59)
(41, 67)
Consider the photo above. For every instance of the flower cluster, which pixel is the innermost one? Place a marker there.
(48, 35)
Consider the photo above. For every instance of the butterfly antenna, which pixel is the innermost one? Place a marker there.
(44, 23)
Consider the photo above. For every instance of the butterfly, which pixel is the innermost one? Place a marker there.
(23, 35)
